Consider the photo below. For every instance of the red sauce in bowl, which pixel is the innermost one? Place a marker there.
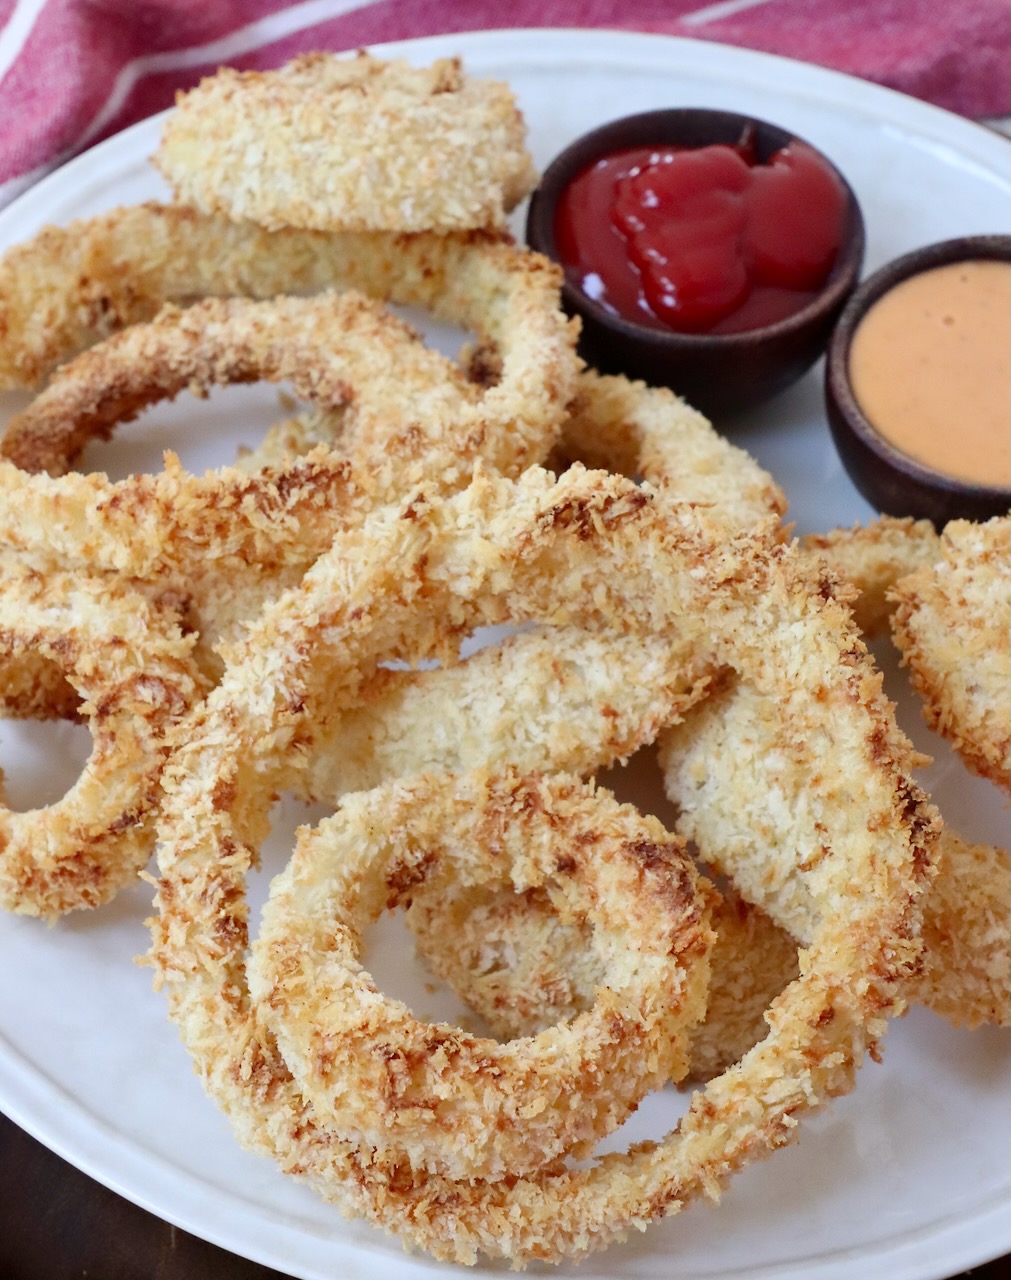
(702, 240)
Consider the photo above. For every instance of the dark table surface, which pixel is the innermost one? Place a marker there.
(58, 1224)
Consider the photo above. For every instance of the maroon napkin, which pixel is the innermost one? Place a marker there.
(74, 71)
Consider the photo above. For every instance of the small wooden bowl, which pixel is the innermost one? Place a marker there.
(717, 373)
(892, 481)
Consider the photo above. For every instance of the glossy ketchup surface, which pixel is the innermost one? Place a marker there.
(702, 240)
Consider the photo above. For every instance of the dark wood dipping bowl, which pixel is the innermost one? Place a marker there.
(717, 373)
(892, 481)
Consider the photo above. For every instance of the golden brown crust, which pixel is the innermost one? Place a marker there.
(69, 287)
(522, 968)
(334, 349)
(442, 1099)
(636, 430)
(952, 624)
(587, 550)
(872, 558)
(966, 976)
(134, 678)
(360, 144)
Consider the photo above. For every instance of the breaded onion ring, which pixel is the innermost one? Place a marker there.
(556, 699)
(872, 558)
(354, 144)
(644, 431)
(334, 349)
(753, 823)
(412, 416)
(70, 287)
(588, 550)
(133, 674)
(437, 1097)
(521, 967)
(952, 625)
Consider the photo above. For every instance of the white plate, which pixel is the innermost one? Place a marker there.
(908, 1178)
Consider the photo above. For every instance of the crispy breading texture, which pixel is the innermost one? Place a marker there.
(752, 819)
(521, 967)
(410, 415)
(558, 698)
(589, 550)
(637, 430)
(334, 349)
(872, 558)
(442, 1099)
(360, 144)
(134, 677)
(952, 625)
(966, 974)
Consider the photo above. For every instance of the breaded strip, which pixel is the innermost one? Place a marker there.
(358, 144)
(134, 677)
(872, 558)
(952, 624)
(966, 974)
(335, 349)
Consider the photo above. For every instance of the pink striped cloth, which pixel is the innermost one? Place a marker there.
(74, 71)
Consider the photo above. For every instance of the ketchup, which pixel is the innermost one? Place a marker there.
(702, 240)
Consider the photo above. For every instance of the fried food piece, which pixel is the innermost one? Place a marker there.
(952, 625)
(872, 558)
(558, 698)
(636, 430)
(70, 287)
(349, 144)
(441, 1099)
(522, 967)
(134, 678)
(588, 550)
(752, 822)
(334, 350)
(966, 975)
(408, 415)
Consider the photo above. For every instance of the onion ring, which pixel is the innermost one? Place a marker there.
(333, 349)
(439, 1098)
(133, 673)
(558, 699)
(70, 287)
(637, 430)
(521, 967)
(349, 144)
(589, 550)
(871, 558)
(952, 625)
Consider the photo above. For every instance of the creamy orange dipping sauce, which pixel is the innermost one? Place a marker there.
(930, 366)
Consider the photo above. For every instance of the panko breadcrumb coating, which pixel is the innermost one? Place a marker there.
(69, 287)
(752, 821)
(353, 144)
(872, 558)
(522, 968)
(648, 432)
(134, 676)
(442, 1099)
(952, 625)
(594, 550)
